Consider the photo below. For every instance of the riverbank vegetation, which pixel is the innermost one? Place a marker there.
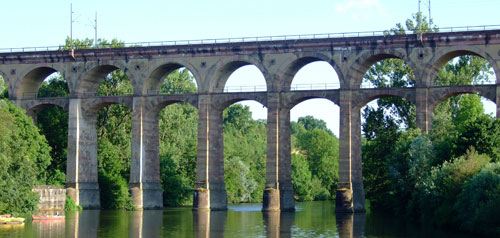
(448, 177)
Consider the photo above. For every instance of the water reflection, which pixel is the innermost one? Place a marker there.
(48, 228)
(351, 225)
(146, 223)
(209, 224)
(311, 219)
(278, 224)
(81, 224)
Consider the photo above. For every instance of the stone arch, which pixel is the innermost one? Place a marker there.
(439, 60)
(31, 80)
(227, 66)
(447, 92)
(157, 104)
(224, 101)
(32, 110)
(296, 98)
(291, 68)
(159, 70)
(94, 74)
(361, 98)
(6, 81)
(362, 63)
(92, 106)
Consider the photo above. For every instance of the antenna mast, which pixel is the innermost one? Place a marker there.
(430, 14)
(95, 29)
(71, 25)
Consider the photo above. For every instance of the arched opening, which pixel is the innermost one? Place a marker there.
(387, 71)
(454, 116)
(113, 126)
(315, 149)
(43, 82)
(381, 131)
(115, 83)
(171, 79)
(53, 85)
(245, 78)
(52, 121)
(463, 68)
(244, 154)
(104, 80)
(4, 90)
(178, 140)
(177, 132)
(315, 75)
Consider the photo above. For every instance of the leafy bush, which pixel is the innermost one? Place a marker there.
(70, 205)
(436, 193)
(478, 204)
(24, 156)
(114, 192)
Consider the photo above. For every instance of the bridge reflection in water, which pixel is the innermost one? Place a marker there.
(155, 223)
(311, 219)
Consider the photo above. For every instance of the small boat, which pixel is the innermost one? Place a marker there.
(11, 220)
(5, 215)
(47, 217)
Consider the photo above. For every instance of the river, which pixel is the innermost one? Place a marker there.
(311, 219)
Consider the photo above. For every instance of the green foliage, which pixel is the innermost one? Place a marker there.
(436, 192)
(417, 175)
(482, 134)
(24, 156)
(53, 124)
(301, 178)
(478, 204)
(310, 123)
(113, 190)
(314, 160)
(244, 155)
(178, 131)
(89, 43)
(4, 93)
(71, 206)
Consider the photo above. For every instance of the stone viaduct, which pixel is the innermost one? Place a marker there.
(211, 65)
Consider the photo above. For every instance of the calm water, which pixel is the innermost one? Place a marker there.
(311, 219)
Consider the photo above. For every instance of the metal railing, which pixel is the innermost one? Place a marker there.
(254, 39)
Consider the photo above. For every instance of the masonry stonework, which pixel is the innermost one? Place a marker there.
(211, 65)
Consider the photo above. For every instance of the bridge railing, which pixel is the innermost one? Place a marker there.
(253, 39)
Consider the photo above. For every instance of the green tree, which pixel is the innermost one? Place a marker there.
(435, 193)
(478, 204)
(321, 150)
(301, 178)
(53, 124)
(244, 154)
(310, 123)
(483, 134)
(24, 157)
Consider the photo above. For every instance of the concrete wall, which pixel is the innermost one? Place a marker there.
(51, 197)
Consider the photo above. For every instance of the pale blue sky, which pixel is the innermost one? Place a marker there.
(47, 23)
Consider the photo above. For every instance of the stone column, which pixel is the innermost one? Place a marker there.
(423, 113)
(350, 192)
(145, 184)
(210, 191)
(278, 194)
(358, 191)
(81, 167)
(498, 100)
